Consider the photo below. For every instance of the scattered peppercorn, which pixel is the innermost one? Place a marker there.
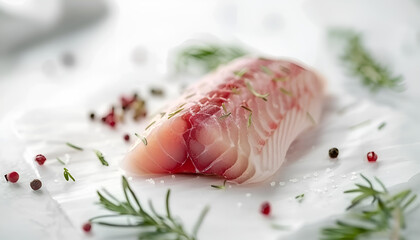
(92, 116)
(12, 177)
(372, 156)
(265, 208)
(87, 227)
(40, 159)
(333, 152)
(36, 184)
(127, 137)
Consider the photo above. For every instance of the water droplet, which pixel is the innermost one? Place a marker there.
(248, 194)
(306, 176)
(56, 180)
(173, 176)
(150, 180)
(335, 186)
(282, 183)
(239, 204)
(294, 180)
(316, 174)
(273, 184)
(354, 173)
(328, 170)
(353, 177)
(343, 176)
(162, 181)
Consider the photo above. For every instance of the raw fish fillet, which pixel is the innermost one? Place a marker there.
(236, 123)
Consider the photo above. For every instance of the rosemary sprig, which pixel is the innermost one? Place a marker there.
(74, 146)
(385, 215)
(361, 124)
(60, 161)
(156, 226)
(189, 96)
(235, 90)
(254, 92)
(282, 79)
(382, 125)
(206, 56)
(240, 73)
(226, 113)
(101, 157)
(170, 115)
(284, 91)
(362, 64)
(223, 186)
(300, 197)
(249, 116)
(143, 139)
(148, 126)
(266, 70)
(67, 175)
(249, 119)
(311, 118)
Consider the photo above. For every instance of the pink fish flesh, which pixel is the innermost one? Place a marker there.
(236, 123)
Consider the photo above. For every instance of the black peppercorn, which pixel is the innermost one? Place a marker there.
(36, 184)
(92, 116)
(333, 152)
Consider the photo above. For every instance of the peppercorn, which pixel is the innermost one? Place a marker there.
(265, 208)
(333, 152)
(372, 156)
(36, 184)
(92, 116)
(127, 137)
(40, 159)
(87, 227)
(12, 177)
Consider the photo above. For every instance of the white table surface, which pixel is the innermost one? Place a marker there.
(43, 102)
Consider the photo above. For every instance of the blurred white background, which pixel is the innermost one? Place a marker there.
(59, 53)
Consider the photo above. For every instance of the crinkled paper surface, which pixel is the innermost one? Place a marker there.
(350, 121)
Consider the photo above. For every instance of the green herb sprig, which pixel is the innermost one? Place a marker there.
(101, 157)
(223, 186)
(74, 146)
(67, 175)
(156, 226)
(363, 65)
(300, 197)
(226, 113)
(385, 214)
(206, 56)
(254, 92)
(98, 154)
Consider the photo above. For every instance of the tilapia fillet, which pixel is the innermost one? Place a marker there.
(237, 122)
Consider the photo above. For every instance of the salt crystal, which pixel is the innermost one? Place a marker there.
(150, 180)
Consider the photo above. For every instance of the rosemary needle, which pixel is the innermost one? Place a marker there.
(385, 214)
(363, 65)
(154, 225)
